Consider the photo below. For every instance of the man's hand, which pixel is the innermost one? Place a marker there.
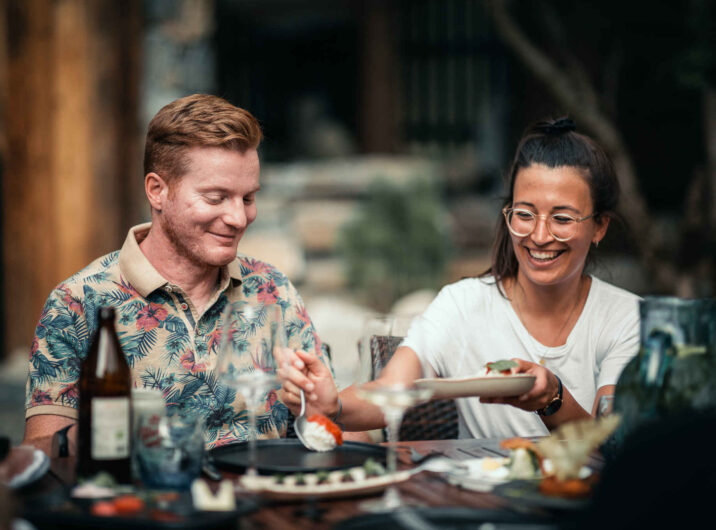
(302, 370)
(539, 396)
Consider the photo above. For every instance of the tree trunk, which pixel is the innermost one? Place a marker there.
(69, 100)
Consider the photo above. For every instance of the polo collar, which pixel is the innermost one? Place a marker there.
(141, 274)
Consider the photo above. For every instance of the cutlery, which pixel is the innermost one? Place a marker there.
(438, 464)
(301, 424)
(417, 457)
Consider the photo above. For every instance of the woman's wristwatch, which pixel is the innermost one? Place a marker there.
(555, 404)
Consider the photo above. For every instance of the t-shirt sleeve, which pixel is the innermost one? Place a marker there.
(56, 357)
(621, 337)
(432, 335)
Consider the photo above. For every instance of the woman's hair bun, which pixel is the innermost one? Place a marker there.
(559, 126)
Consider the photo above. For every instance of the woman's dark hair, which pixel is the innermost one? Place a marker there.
(555, 144)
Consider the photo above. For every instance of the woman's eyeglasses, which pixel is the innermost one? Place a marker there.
(561, 226)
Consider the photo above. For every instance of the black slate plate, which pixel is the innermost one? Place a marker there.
(454, 518)
(290, 456)
(527, 492)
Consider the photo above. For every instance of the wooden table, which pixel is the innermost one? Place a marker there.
(427, 489)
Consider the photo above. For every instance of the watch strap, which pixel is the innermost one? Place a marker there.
(556, 402)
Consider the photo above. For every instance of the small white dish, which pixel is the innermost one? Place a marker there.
(480, 474)
(288, 491)
(36, 468)
(483, 386)
(483, 474)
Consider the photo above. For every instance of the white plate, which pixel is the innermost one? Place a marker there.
(485, 386)
(268, 487)
(475, 476)
(36, 468)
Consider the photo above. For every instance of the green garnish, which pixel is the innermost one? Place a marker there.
(322, 476)
(504, 365)
(300, 479)
(373, 468)
(279, 478)
(347, 477)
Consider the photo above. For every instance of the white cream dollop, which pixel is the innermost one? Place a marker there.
(318, 437)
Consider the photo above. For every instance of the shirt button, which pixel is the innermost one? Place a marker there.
(184, 306)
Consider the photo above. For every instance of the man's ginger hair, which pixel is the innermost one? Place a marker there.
(199, 120)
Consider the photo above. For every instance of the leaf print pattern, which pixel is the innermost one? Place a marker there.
(165, 348)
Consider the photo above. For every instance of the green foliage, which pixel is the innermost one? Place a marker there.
(398, 243)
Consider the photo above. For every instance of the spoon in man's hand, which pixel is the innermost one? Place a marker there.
(301, 424)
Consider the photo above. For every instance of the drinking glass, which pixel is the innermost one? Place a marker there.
(249, 366)
(393, 400)
(169, 449)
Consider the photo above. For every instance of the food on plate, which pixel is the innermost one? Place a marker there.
(99, 486)
(525, 461)
(322, 434)
(103, 509)
(126, 504)
(569, 446)
(571, 488)
(502, 368)
(373, 468)
(371, 476)
(489, 465)
(370, 469)
(565, 453)
(221, 501)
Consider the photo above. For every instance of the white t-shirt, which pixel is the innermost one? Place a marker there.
(470, 324)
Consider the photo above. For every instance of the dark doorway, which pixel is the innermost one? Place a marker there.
(293, 65)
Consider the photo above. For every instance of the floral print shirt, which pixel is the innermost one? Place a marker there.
(168, 345)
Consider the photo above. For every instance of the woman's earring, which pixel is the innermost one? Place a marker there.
(596, 243)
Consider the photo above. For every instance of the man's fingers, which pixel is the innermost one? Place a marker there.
(289, 373)
(313, 363)
(290, 389)
(282, 354)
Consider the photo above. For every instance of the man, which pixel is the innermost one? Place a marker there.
(171, 280)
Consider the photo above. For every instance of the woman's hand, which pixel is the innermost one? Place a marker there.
(539, 396)
(303, 370)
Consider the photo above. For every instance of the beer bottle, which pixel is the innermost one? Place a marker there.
(105, 389)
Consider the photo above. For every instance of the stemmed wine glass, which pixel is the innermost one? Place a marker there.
(248, 365)
(393, 400)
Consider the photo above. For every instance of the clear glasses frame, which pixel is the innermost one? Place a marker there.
(562, 219)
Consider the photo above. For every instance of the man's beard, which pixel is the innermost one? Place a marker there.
(183, 250)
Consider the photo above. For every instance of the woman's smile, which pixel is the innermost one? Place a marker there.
(544, 256)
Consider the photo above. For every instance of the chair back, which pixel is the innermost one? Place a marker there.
(434, 420)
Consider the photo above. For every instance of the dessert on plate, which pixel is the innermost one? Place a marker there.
(503, 367)
(322, 433)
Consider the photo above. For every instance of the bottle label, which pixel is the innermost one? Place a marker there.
(110, 428)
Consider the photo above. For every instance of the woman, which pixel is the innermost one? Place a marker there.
(535, 304)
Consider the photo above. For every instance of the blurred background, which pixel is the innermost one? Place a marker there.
(389, 125)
